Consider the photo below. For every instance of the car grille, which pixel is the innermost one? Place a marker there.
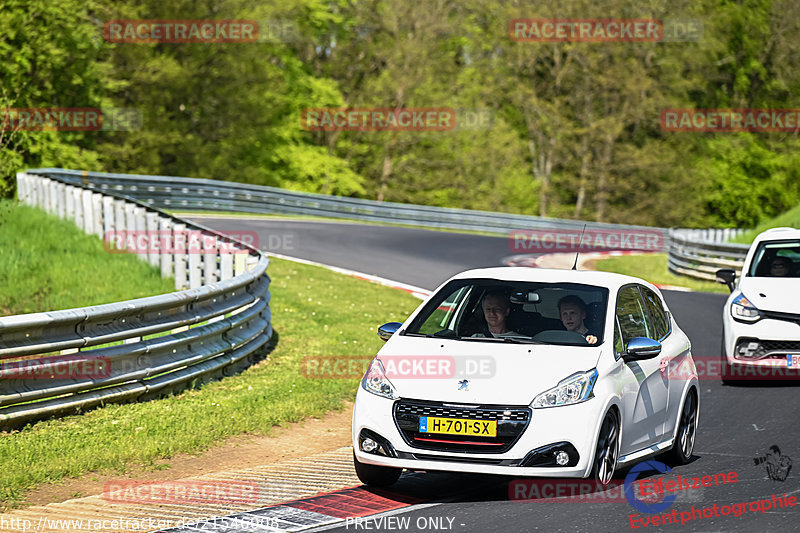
(786, 317)
(511, 423)
(769, 349)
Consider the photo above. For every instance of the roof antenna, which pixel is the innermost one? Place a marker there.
(580, 243)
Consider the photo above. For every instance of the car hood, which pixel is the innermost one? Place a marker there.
(779, 294)
(498, 373)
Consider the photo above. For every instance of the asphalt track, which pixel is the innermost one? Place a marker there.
(737, 423)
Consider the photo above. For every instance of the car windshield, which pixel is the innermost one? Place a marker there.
(775, 259)
(484, 310)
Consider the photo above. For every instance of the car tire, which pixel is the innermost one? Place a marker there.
(682, 448)
(376, 476)
(606, 452)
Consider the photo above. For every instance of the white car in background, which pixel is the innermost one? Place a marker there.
(538, 400)
(761, 319)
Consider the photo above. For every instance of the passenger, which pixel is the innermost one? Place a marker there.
(496, 309)
(572, 311)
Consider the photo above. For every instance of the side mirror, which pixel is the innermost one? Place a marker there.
(388, 329)
(727, 276)
(641, 348)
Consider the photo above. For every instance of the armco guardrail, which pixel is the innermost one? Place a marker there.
(689, 257)
(196, 194)
(700, 259)
(63, 361)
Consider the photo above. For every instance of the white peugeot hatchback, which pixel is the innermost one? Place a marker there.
(528, 372)
(761, 319)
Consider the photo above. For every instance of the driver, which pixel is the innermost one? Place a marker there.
(572, 310)
(496, 309)
(780, 267)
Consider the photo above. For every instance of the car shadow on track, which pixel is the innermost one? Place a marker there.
(450, 487)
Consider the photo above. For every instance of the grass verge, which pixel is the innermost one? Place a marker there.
(653, 268)
(317, 313)
(790, 218)
(46, 263)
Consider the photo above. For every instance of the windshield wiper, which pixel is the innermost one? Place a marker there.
(438, 335)
(513, 340)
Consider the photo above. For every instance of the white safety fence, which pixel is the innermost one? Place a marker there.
(217, 323)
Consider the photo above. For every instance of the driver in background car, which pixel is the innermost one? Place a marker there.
(572, 310)
(780, 267)
(496, 308)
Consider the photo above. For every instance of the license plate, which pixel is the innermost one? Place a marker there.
(458, 426)
(793, 360)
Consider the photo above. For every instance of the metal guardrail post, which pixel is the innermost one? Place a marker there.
(119, 216)
(210, 252)
(153, 239)
(108, 217)
(77, 204)
(166, 236)
(130, 219)
(61, 191)
(88, 211)
(97, 215)
(226, 264)
(180, 238)
(140, 227)
(46, 196)
(193, 257)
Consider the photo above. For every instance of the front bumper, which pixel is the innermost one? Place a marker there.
(775, 339)
(566, 424)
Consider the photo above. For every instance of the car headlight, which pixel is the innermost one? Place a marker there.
(575, 389)
(376, 382)
(742, 309)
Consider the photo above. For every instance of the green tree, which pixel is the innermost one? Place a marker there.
(51, 57)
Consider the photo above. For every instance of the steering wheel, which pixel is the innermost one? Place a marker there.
(554, 336)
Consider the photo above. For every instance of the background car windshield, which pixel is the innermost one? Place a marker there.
(521, 311)
(776, 259)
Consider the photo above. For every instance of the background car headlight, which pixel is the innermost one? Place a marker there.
(575, 389)
(742, 309)
(376, 382)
